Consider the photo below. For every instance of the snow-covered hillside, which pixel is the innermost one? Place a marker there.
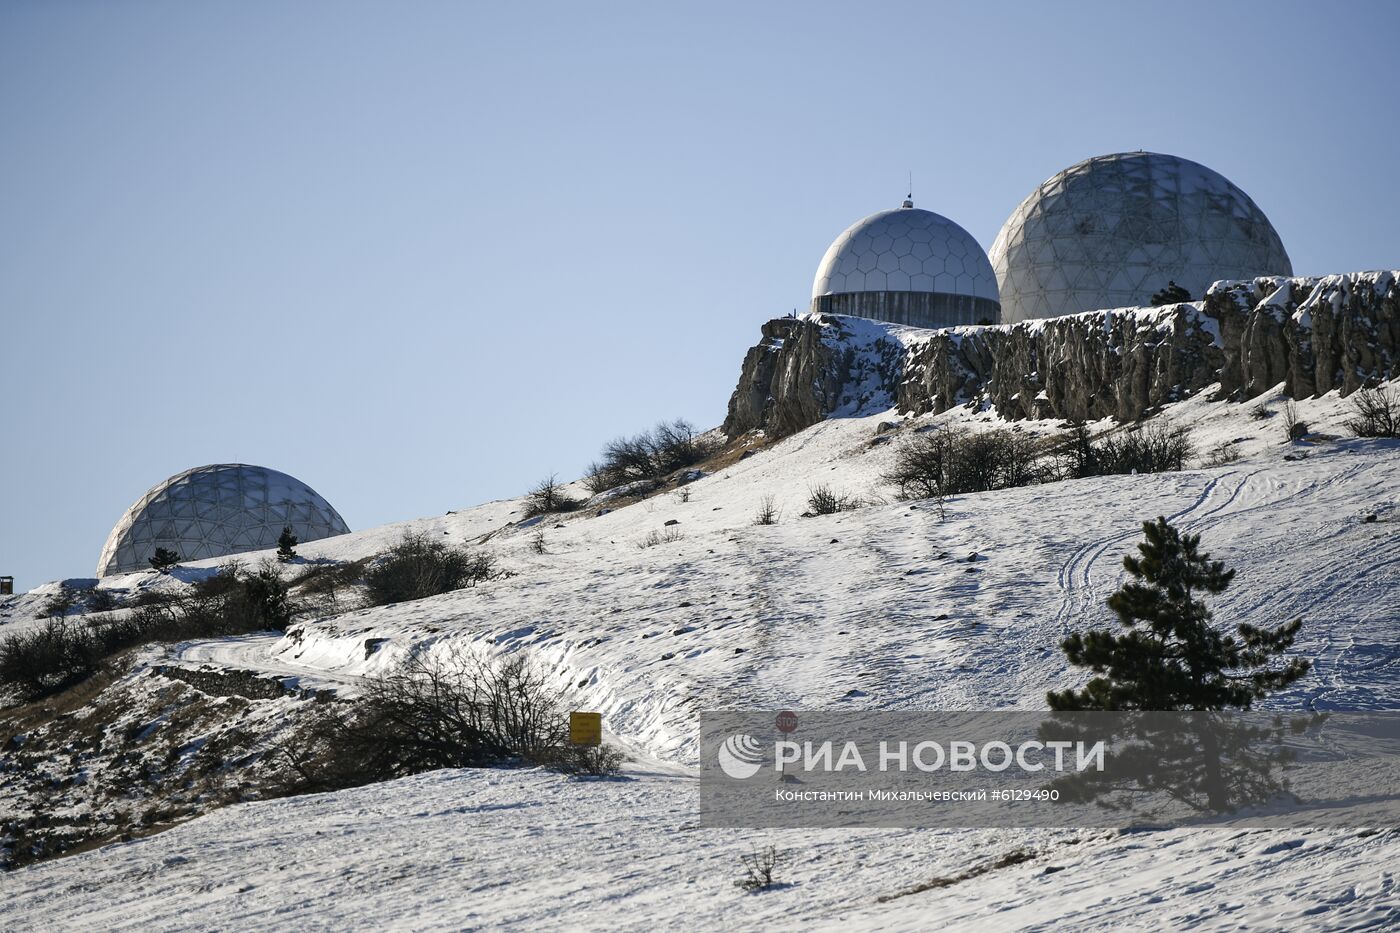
(890, 606)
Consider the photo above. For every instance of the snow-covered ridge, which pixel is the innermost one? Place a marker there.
(1313, 335)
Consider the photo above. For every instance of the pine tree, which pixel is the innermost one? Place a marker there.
(1171, 657)
(1172, 294)
(286, 545)
(164, 558)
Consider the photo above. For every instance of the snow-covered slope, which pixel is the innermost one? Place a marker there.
(531, 850)
(882, 607)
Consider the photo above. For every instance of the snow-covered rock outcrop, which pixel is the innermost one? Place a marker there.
(1312, 334)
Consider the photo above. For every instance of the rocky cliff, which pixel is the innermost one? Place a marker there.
(1313, 335)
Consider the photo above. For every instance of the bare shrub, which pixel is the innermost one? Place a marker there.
(329, 587)
(47, 659)
(99, 599)
(650, 455)
(60, 604)
(823, 500)
(920, 462)
(1260, 412)
(1294, 428)
(452, 710)
(663, 536)
(1157, 447)
(987, 460)
(592, 760)
(43, 661)
(419, 566)
(262, 600)
(548, 497)
(537, 542)
(1376, 413)
(934, 464)
(768, 512)
(1223, 454)
(758, 867)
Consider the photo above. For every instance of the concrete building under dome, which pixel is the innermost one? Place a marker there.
(1111, 231)
(215, 511)
(907, 266)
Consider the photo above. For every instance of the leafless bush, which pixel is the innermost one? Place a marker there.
(1154, 448)
(650, 455)
(99, 599)
(934, 464)
(664, 536)
(1260, 412)
(1223, 454)
(418, 566)
(537, 542)
(548, 497)
(453, 710)
(758, 867)
(331, 586)
(768, 512)
(1376, 413)
(920, 465)
(987, 460)
(1293, 427)
(60, 604)
(593, 760)
(45, 660)
(823, 500)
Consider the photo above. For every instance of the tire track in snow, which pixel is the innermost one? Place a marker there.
(1075, 575)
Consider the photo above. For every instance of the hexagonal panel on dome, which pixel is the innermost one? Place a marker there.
(1135, 221)
(215, 511)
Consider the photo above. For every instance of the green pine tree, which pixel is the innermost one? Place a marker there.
(1172, 294)
(286, 545)
(1170, 656)
(164, 558)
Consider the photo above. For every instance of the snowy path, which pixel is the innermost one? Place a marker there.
(255, 653)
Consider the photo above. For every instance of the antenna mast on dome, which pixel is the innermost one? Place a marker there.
(909, 199)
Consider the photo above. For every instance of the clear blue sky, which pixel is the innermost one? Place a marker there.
(421, 254)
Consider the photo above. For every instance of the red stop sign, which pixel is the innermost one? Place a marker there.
(787, 721)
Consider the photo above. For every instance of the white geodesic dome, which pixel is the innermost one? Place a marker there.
(1112, 230)
(214, 511)
(905, 250)
(907, 265)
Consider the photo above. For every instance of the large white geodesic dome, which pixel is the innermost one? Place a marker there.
(1112, 230)
(909, 266)
(214, 511)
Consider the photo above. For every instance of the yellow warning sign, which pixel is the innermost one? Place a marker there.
(586, 728)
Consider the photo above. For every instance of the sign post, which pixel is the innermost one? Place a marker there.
(585, 728)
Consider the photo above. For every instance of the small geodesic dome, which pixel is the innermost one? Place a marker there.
(907, 266)
(214, 511)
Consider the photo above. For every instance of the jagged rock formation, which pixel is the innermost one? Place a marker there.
(1311, 334)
